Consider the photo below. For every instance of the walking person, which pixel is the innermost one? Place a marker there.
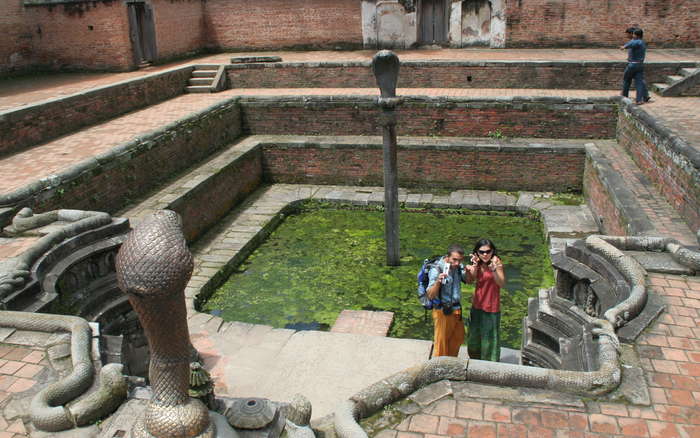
(484, 340)
(445, 285)
(636, 52)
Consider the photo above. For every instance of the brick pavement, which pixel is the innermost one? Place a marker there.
(20, 367)
(669, 354)
(10, 247)
(680, 114)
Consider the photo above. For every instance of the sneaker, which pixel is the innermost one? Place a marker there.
(647, 99)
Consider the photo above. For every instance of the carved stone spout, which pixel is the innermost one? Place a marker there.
(153, 267)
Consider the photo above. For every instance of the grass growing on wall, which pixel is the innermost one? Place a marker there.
(324, 259)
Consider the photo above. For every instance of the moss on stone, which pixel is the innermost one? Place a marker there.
(324, 259)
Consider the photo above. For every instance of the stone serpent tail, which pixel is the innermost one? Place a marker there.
(153, 267)
(47, 408)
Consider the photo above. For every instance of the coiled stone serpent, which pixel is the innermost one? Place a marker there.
(47, 409)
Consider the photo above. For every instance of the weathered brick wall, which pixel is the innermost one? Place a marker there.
(600, 201)
(86, 35)
(567, 75)
(180, 26)
(262, 24)
(547, 118)
(125, 175)
(533, 23)
(452, 167)
(32, 124)
(203, 206)
(672, 165)
(16, 41)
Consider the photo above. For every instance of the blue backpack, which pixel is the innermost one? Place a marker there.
(423, 280)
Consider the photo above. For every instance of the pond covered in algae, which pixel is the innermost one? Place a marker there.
(326, 258)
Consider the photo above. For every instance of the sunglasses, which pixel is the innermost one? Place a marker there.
(488, 251)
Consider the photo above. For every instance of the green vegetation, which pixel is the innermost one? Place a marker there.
(567, 199)
(326, 258)
(497, 135)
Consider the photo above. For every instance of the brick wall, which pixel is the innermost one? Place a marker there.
(40, 122)
(671, 165)
(567, 75)
(16, 41)
(262, 24)
(666, 23)
(148, 161)
(450, 167)
(180, 26)
(599, 200)
(549, 118)
(204, 205)
(86, 35)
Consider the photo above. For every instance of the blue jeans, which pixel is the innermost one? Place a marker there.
(635, 71)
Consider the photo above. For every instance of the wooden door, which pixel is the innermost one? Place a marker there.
(434, 20)
(142, 32)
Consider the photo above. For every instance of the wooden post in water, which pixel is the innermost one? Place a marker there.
(385, 66)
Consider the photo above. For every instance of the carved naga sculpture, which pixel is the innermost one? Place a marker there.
(153, 267)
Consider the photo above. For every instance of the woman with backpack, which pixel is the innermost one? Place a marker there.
(484, 341)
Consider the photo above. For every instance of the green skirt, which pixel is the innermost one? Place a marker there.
(484, 341)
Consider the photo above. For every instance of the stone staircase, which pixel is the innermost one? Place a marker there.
(207, 78)
(686, 83)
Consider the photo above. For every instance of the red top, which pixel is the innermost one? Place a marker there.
(487, 296)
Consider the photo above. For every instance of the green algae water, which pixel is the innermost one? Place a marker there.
(326, 258)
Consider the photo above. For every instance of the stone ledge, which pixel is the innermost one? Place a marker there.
(636, 220)
(608, 104)
(255, 64)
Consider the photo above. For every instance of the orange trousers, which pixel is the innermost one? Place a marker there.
(449, 333)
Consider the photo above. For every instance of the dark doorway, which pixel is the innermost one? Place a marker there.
(434, 17)
(142, 32)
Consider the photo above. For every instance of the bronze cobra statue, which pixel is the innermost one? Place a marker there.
(153, 267)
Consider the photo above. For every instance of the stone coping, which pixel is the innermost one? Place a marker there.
(218, 253)
(446, 63)
(559, 146)
(562, 102)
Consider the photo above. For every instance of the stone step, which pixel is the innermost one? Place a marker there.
(688, 71)
(200, 81)
(659, 87)
(204, 73)
(364, 322)
(672, 79)
(198, 89)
